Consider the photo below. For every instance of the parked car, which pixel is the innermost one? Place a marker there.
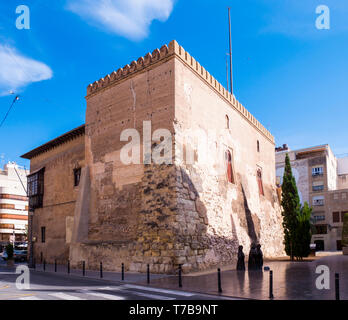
(20, 255)
(4, 255)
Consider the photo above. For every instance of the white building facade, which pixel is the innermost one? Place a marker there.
(322, 182)
(13, 203)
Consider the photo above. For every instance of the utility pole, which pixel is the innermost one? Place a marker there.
(231, 75)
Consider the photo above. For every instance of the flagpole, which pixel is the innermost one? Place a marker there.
(231, 75)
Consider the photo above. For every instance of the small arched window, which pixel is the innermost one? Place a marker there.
(227, 121)
(230, 176)
(258, 146)
(259, 181)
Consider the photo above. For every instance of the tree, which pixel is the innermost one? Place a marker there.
(9, 251)
(345, 231)
(303, 233)
(291, 208)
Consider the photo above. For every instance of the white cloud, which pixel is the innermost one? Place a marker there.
(17, 71)
(128, 18)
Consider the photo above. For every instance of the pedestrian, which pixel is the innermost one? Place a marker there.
(240, 262)
(259, 257)
(252, 257)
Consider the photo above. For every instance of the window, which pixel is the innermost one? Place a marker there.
(36, 189)
(335, 196)
(77, 176)
(259, 181)
(227, 119)
(258, 146)
(344, 196)
(335, 217)
(230, 176)
(321, 229)
(318, 201)
(319, 218)
(7, 206)
(43, 234)
(318, 188)
(317, 171)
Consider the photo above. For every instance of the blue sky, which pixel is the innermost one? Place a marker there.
(290, 75)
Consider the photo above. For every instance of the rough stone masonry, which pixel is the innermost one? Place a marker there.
(187, 212)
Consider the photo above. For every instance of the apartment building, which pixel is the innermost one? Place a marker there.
(13, 203)
(322, 181)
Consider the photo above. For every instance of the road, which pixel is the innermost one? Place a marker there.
(50, 286)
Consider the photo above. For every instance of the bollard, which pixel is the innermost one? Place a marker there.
(34, 263)
(101, 270)
(271, 285)
(219, 281)
(44, 265)
(337, 286)
(148, 273)
(180, 280)
(68, 266)
(83, 268)
(41, 257)
(122, 275)
(55, 265)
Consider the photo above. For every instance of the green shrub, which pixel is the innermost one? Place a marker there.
(345, 231)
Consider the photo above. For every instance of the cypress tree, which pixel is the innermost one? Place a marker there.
(291, 208)
(345, 231)
(303, 233)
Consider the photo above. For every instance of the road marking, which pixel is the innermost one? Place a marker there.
(174, 292)
(103, 295)
(137, 293)
(5, 287)
(30, 298)
(151, 296)
(61, 295)
(119, 288)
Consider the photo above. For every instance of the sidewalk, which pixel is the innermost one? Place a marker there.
(291, 280)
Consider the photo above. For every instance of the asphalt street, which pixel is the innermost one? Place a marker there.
(50, 286)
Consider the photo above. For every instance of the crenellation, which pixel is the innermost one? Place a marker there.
(174, 49)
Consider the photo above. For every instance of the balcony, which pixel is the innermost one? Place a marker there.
(319, 202)
(317, 188)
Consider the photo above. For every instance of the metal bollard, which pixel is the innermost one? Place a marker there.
(271, 285)
(83, 268)
(34, 263)
(180, 278)
(337, 286)
(44, 265)
(55, 265)
(41, 257)
(68, 266)
(219, 281)
(122, 275)
(101, 270)
(148, 273)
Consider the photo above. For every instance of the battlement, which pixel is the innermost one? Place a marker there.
(163, 54)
